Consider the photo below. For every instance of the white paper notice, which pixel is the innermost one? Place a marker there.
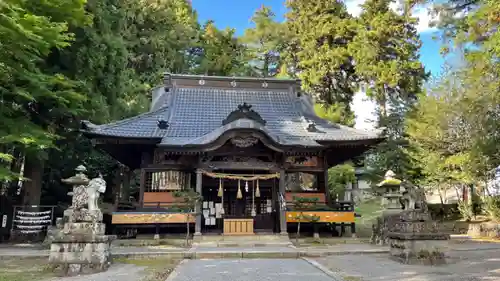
(206, 213)
(4, 221)
(207, 221)
(269, 209)
(210, 204)
(205, 205)
(212, 220)
(212, 211)
(218, 215)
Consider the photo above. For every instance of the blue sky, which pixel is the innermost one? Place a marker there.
(237, 13)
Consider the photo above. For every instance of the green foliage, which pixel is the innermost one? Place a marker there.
(385, 49)
(339, 176)
(455, 128)
(444, 211)
(492, 207)
(218, 52)
(264, 42)
(35, 102)
(190, 198)
(336, 113)
(319, 49)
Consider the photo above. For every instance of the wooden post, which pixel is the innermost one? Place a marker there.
(282, 191)
(197, 226)
(142, 188)
(328, 197)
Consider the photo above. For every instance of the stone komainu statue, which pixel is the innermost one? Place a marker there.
(413, 198)
(94, 188)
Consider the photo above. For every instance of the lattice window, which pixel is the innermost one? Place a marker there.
(167, 180)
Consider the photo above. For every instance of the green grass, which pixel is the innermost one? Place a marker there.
(369, 210)
(25, 270)
(157, 269)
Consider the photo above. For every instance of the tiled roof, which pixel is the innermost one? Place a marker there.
(195, 116)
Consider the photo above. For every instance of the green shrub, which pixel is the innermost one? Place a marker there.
(492, 207)
(444, 211)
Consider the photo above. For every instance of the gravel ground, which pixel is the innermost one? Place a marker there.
(462, 266)
(248, 270)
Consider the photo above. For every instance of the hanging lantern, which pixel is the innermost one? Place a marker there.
(246, 186)
(257, 190)
(220, 192)
(238, 194)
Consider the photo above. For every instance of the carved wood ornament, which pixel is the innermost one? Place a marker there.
(244, 111)
(244, 141)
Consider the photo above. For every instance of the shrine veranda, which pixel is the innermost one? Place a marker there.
(248, 146)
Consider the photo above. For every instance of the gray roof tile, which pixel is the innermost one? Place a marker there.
(195, 117)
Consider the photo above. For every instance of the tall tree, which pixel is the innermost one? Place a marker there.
(385, 50)
(36, 101)
(265, 42)
(119, 57)
(319, 50)
(218, 52)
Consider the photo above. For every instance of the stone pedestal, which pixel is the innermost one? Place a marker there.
(81, 247)
(484, 230)
(416, 239)
(79, 244)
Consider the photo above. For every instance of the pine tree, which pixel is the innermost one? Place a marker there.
(319, 49)
(265, 42)
(385, 50)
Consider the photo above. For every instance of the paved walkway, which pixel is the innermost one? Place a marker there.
(463, 266)
(342, 249)
(248, 270)
(117, 272)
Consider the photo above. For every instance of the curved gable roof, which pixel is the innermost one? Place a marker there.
(195, 116)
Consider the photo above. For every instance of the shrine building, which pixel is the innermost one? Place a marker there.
(248, 146)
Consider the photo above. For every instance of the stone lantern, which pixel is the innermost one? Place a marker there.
(80, 245)
(390, 188)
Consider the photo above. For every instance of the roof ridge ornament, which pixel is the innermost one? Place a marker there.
(162, 124)
(244, 111)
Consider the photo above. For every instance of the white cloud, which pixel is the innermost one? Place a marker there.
(421, 12)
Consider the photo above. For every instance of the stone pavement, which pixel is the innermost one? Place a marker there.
(248, 270)
(117, 272)
(462, 266)
(7, 251)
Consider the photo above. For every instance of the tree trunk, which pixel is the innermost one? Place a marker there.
(15, 167)
(32, 187)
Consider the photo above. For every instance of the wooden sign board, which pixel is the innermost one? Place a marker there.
(151, 218)
(324, 216)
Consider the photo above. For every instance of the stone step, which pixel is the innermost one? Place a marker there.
(242, 244)
(242, 241)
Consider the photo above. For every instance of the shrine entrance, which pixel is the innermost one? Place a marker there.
(239, 204)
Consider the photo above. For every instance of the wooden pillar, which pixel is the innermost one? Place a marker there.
(328, 196)
(197, 226)
(142, 188)
(282, 191)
